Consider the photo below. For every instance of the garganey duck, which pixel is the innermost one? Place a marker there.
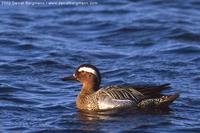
(91, 97)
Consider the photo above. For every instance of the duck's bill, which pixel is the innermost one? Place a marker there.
(72, 77)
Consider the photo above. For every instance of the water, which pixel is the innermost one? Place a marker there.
(130, 42)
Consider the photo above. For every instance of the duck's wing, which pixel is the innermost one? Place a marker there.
(151, 91)
(135, 92)
(124, 93)
(129, 95)
(117, 97)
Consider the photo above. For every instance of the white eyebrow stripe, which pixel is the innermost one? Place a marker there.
(87, 69)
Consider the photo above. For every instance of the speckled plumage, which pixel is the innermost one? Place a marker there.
(126, 96)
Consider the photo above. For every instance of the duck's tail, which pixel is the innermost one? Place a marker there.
(160, 102)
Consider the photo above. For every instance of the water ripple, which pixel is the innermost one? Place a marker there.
(184, 50)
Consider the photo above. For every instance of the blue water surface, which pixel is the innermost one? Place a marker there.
(130, 41)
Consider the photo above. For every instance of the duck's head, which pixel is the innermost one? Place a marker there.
(86, 74)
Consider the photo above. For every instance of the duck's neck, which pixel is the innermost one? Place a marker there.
(89, 87)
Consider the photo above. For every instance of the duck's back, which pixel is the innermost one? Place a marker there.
(116, 97)
(133, 96)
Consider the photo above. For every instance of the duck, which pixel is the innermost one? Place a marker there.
(96, 98)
